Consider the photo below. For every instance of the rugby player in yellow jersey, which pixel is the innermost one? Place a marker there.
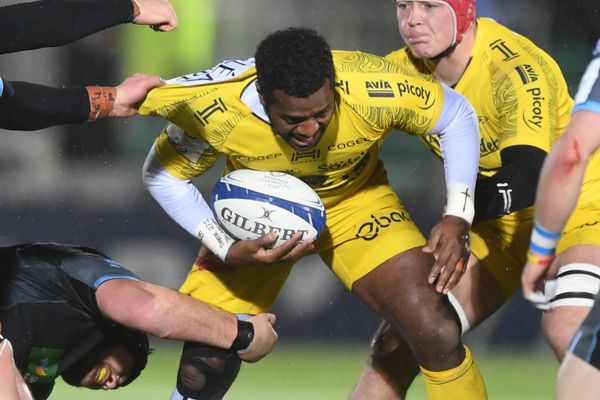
(523, 104)
(320, 115)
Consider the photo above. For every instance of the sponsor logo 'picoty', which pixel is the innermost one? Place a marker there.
(407, 88)
(533, 117)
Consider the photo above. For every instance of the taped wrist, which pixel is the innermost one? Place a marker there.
(102, 101)
(542, 245)
(461, 202)
(214, 238)
(244, 336)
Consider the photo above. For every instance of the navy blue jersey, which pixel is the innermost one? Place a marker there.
(588, 94)
(48, 307)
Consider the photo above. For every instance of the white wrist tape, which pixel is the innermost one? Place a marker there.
(461, 202)
(214, 238)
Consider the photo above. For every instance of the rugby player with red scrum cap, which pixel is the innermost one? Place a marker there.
(523, 105)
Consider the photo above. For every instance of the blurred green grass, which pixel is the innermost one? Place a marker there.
(295, 372)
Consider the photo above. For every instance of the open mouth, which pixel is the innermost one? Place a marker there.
(298, 141)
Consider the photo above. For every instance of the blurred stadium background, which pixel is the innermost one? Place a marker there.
(82, 184)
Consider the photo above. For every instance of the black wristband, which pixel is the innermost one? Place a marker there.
(244, 336)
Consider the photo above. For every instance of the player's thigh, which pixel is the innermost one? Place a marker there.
(572, 293)
(241, 290)
(577, 380)
(583, 358)
(365, 230)
(577, 283)
(498, 253)
(500, 245)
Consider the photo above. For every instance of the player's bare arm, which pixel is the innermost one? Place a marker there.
(166, 313)
(562, 173)
(132, 92)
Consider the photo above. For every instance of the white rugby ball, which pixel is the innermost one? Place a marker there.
(249, 204)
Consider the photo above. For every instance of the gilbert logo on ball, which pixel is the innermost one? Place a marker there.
(249, 204)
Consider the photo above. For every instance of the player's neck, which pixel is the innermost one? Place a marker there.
(450, 69)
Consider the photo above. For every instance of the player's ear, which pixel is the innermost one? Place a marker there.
(260, 95)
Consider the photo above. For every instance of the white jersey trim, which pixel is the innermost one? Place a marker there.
(224, 71)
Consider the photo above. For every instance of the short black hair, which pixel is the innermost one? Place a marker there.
(297, 61)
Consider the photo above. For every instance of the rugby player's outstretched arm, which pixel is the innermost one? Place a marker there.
(559, 186)
(51, 23)
(28, 106)
(166, 313)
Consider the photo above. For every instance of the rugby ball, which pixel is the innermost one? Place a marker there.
(249, 204)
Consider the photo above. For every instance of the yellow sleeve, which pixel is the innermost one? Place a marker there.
(184, 156)
(534, 106)
(389, 95)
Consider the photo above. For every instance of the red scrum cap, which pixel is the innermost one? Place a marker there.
(464, 14)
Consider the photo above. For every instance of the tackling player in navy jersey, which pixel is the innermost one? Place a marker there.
(73, 312)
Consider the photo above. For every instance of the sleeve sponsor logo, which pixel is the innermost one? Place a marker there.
(407, 88)
(526, 73)
(533, 118)
(379, 88)
(221, 72)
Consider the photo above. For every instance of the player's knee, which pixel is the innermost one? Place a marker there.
(559, 326)
(192, 377)
(571, 296)
(386, 340)
(206, 372)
